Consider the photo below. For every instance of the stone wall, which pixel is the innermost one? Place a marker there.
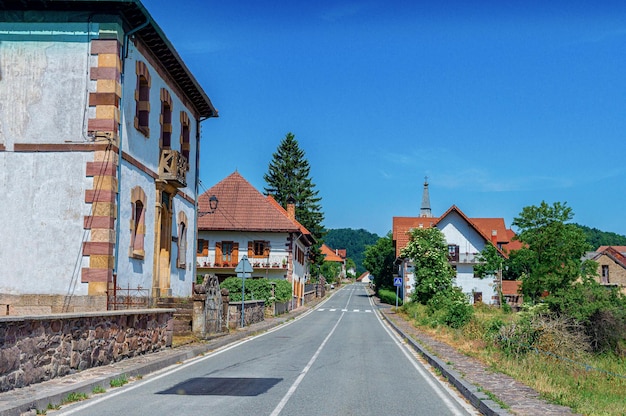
(39, 348)
(254, 311)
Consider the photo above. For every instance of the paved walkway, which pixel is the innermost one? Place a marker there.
(462, 371)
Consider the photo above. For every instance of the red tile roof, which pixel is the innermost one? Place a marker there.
(614, 253)
(511, 287)
(242, 208)
(329, 254)
(484, 226)
(621, 249)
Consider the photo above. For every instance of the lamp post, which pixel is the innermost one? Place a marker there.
(213, 201)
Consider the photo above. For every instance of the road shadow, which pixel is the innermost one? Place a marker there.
(222, 386)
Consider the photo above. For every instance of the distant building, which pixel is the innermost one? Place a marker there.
(99, 138)
(236, 220)
(466, 238)
(611, 266)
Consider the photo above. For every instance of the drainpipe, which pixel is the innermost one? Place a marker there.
(197, 190)
(124, 53)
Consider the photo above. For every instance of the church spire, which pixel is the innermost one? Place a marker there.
(425, 209)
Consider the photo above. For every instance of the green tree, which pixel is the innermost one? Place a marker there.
(330, 270)
(288, 176)
(599, 238)
(428, 251)
(552, 250)
(379, 260)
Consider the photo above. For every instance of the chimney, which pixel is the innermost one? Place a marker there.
(494, 237)
(291, 208)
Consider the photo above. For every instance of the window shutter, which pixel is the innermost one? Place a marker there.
(218, 252)
(205, 248)
(266, 249)
(250, 248)
(235, 256)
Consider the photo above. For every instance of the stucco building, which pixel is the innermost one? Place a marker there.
(99, 140)
(236, 220)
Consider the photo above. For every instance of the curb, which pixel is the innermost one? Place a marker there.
(478, 399)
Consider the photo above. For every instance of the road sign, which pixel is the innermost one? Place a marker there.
(397, 281)
(243, 269)
(244, 266)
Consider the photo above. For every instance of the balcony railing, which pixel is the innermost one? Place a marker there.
(272, 262)
(173, 167)
(464, 258)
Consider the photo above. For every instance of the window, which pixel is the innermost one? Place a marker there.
(299, 255)
(203, 248)
(166, 119)
(142, 99)
(605, 273)
(258, 248)
(137, 223)
(184, 136)
(226, 253)
(181, 262)
(453, 252)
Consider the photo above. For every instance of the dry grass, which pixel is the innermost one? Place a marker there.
(585, 390)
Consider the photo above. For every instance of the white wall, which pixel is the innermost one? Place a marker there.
(44, 87)
(42, 222)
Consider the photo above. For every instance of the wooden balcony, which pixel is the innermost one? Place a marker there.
(173, 168)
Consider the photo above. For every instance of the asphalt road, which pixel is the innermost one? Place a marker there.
(338, 359)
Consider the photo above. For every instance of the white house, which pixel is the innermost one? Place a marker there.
(236, 220)
(99, 134)
(466, 238)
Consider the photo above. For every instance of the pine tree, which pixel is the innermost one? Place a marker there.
(289, 176)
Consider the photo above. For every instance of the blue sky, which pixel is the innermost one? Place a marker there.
(501, 104)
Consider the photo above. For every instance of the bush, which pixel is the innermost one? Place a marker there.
(283, 290)
(450, 308)
(388, 296)
(258, 289)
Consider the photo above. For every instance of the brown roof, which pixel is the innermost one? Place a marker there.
(484, 226)
(511, 287)
(614, 253)
(402, 226)
(621, 249)
(242, 208)
(329, 254)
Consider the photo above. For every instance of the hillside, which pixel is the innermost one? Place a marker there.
(599, 238)
(354, 241)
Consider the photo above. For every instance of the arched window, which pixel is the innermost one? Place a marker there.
(181, 262)
(137, 223)
(166, 119)
(142, 99)
(184, 136)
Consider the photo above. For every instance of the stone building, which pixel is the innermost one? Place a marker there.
(611, 266)
(99, 137)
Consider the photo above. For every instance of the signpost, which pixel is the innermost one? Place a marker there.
(397, 282)
(243, 269)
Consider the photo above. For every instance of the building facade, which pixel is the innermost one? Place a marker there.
(99, 141)
(236, 220)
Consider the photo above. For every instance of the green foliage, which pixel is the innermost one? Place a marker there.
(450, 308)
(354, 241)
(597, 238)
(428, 251)
(98, 389)
(283, 290)
(600, 310)
(490, 262)
(119, 381)
(330, 270)
(258, 289)
(553, 249)
(389, 297)
(379, 260)
(288, 176)
(74, 397)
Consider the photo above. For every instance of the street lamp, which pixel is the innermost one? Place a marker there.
(213, 201)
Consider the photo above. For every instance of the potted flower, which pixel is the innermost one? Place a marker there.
(284, 263)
